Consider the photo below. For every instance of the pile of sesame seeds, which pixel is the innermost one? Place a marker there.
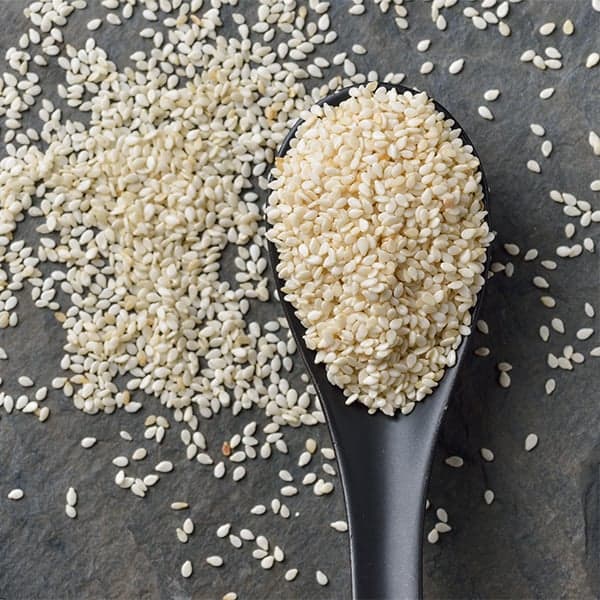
(377, 215)
(76, 120)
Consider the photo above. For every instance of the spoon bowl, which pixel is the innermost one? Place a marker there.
(384, 461)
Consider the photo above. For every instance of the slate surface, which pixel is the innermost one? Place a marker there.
(540, 537)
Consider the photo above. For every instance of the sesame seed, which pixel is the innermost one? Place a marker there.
(491, 95)
(454, 461)
(215, 561)
(531, 441)
(433, 536)
(486, 454)
(15, 494)
(94, 24)
(426, 68)
(485, 113)
(456, 66)
(187, 569)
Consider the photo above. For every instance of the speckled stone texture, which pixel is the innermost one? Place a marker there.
(539, 539)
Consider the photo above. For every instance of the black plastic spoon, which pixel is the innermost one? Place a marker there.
(384, 461)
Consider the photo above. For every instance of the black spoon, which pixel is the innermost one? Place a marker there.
(384, 461)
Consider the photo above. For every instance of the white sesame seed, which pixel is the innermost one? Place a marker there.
(71, 497)
(164, 466)
(288, 490)
(531, 441)
(426, 68)
(537, 129)
(547, 28)
(491, 95)
(339, 525)
(88, 442)
(488, 496)
(527, 56)
(321, 578)
(486, 454)
(454, 461)
(504, 379)
(546, 148)
(94, 24)
(547, 93)
(456, 66)
(584, 333)
(15, 494)
(187, 569)
(238, 473)
(215, 561)
(592, 60)
(568, 28)
(433, 536)
(219, 470)
(25, 381)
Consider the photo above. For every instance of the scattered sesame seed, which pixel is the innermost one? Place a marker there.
(164, 466)
(491, 95)
(454, 461)
(547, 28)
(339, 525)
(456, 66)
(426, 68)
(485, 113)
(187, 569)
(433, 536)
(547, 93)
(531, 441)
(25, 381)
(15, 494)
(94, 24)
(486, 454)
(592, 60)
(214, 561)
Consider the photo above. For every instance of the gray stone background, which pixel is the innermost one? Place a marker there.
(539, 539)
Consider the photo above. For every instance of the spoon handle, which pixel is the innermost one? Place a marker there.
(384, 464)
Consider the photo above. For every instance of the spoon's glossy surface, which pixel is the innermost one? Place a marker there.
(384, 461)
